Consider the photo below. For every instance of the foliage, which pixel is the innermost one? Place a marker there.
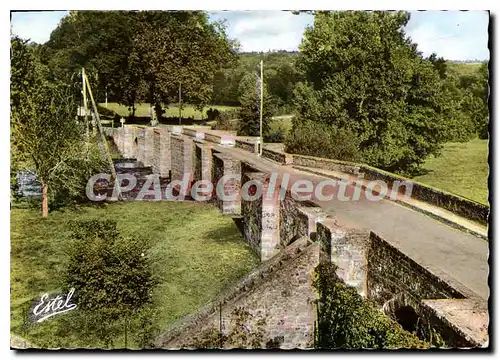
(178, 48)
(346, 320)
(366, 76)
(280, 76)
(109, 273)
(46, 138)
(466, 109)
(322, 140)
(242, 332)
(100, 41)
(250, 107)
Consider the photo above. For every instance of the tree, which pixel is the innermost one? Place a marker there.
(180, 48)
(368, 78)
(100, 41)
(45, 137)
(250, 107)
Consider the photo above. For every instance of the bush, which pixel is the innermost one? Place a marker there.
(322, 140)
(113, 283)
(346, 320)
(107, 271)
(275, 135)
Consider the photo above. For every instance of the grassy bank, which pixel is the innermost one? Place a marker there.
(142, 110)
(196, 252)
(461, 169)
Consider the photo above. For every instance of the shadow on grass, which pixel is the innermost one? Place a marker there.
(226, 233)
(419, 172)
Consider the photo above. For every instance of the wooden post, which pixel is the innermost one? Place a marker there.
(103, 138)
(85, 104)
(180, 111)
(261, 98)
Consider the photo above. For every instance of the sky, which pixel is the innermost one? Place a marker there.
(454, 35)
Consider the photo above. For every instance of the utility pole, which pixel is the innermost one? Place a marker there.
(261, 105)
(103, 138)
(180, 111)
(85, 104)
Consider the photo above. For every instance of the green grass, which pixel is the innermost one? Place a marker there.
(196, 252)
(464, 68)
(142, 110)
(461, 169)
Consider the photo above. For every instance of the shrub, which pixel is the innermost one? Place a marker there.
(346, 320)
(322, 140)
(109, 273)
(275, 135)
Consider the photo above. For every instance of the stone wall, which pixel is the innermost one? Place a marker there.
(454, 203)
(461, 323)
(392, 273)
(248, 145)
(280, 292)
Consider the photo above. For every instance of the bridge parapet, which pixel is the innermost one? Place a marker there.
(364, 260)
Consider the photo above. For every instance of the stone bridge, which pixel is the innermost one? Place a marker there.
(428, 250)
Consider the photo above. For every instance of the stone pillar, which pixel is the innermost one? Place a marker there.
(177, 151)
(189, 158)
(148, 146)
(260, 215)
(206, 162)
(311, 216)
(165, 153)
(226, 194)
(156, 157)
(126, 144)
(141, 145)
(347, 249)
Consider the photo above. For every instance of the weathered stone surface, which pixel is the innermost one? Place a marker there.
(226, 176)
(391, 272)
(293, 224)
(280, 292)
(461, 322)
(260, 215)
(346, 248)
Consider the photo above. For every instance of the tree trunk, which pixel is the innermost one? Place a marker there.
(45, 201)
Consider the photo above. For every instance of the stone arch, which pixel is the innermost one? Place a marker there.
(403, 309)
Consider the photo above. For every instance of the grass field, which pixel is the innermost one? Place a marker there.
(464, 68)
(462, 169)
(196, 251)
(142, 110)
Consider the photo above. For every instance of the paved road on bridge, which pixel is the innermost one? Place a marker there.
(456, 256)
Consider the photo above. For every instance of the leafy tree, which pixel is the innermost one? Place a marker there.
(439, 64)
(100, 41)
(45, 137)
(250, 107)
(180, 48)
(368, 78)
